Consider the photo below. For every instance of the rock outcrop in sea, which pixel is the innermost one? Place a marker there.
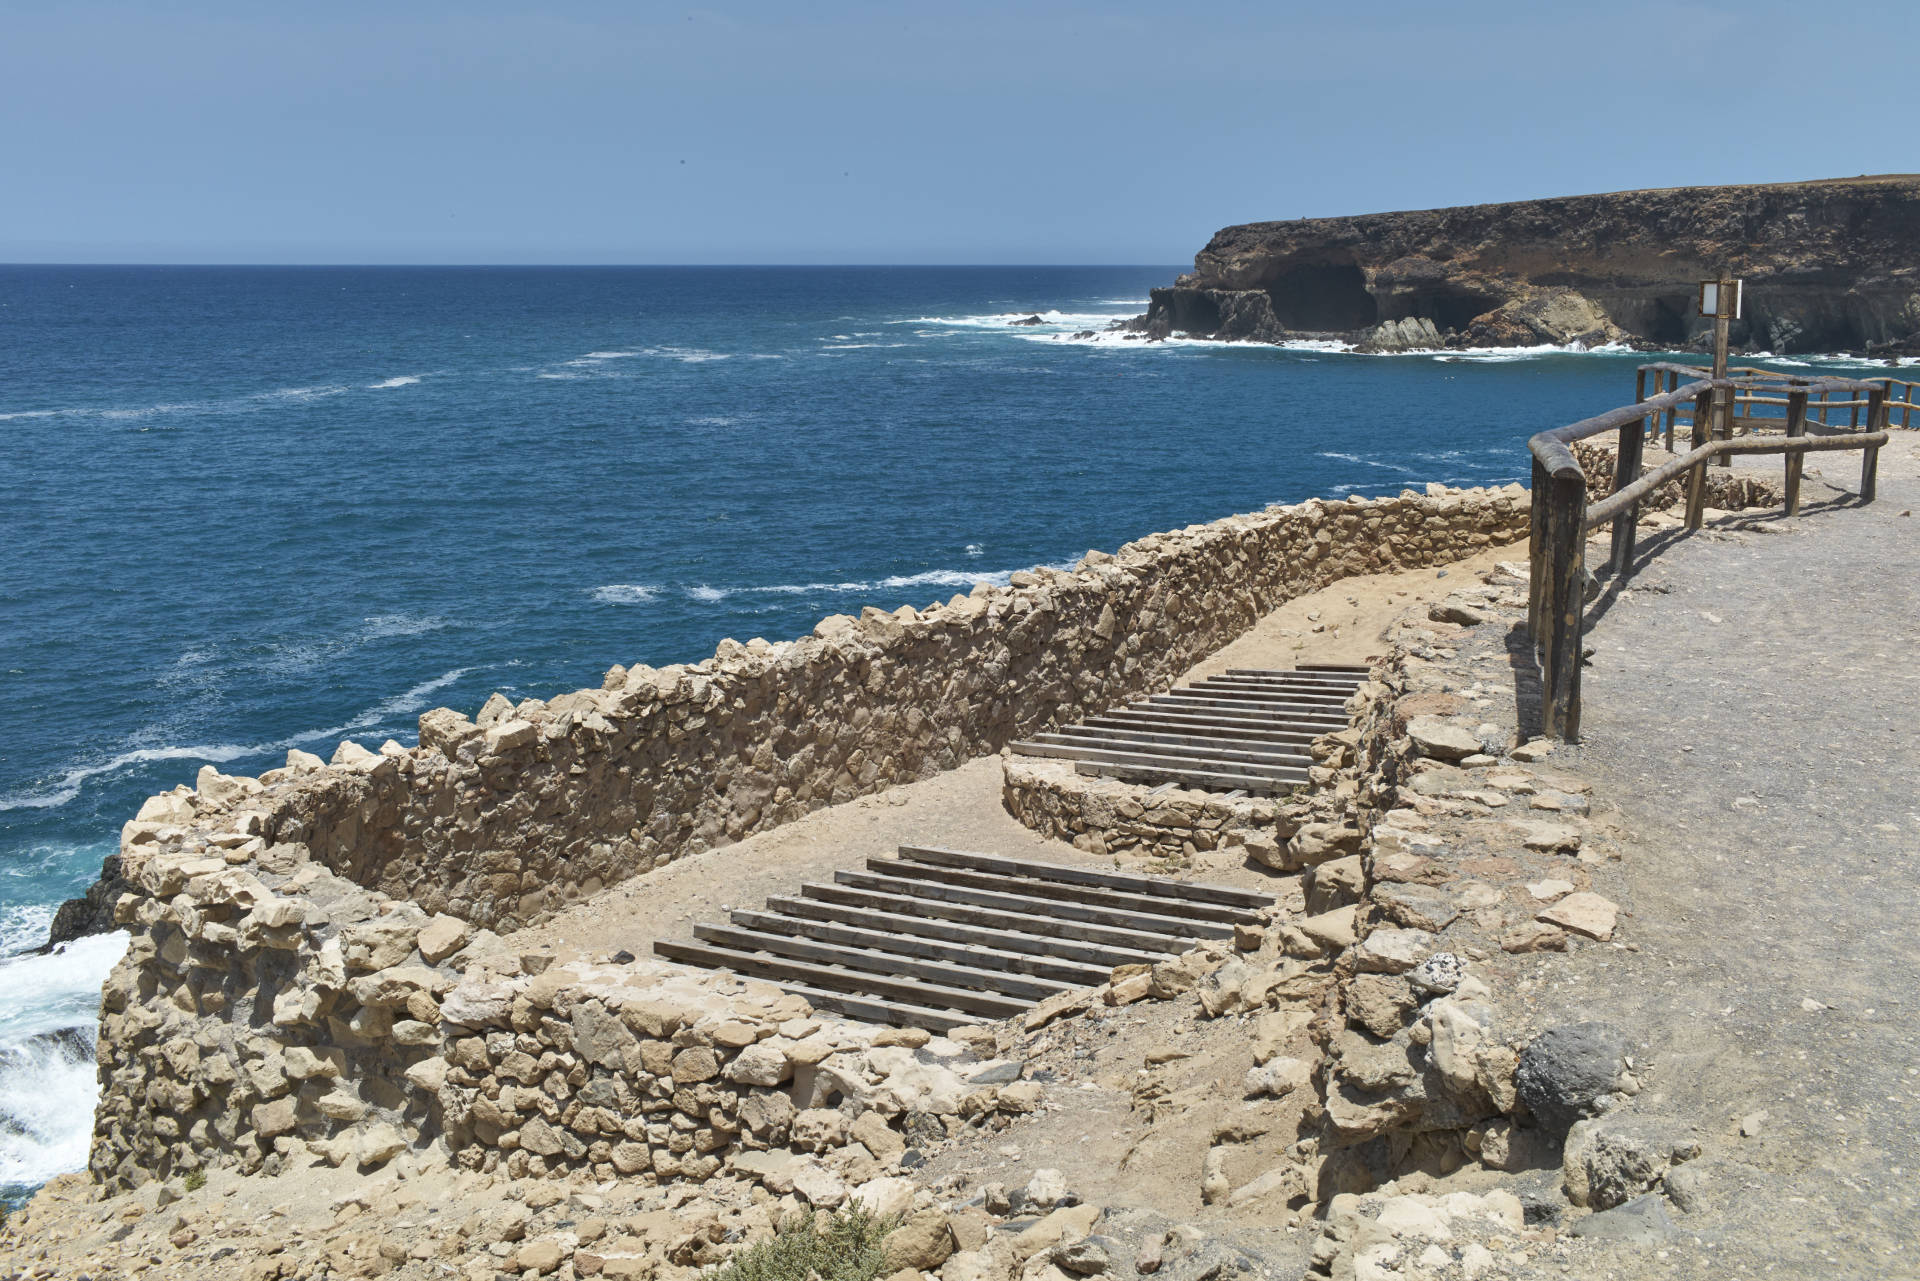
(1829, 266)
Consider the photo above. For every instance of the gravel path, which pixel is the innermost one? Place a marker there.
(1754, 709)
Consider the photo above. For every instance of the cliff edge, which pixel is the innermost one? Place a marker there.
(1831, 265)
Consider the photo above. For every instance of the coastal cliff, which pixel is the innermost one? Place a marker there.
(1829, 266)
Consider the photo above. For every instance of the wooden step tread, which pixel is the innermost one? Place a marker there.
(1158, 886)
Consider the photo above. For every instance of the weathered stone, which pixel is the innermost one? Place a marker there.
(1612, 1159)
(379, 944)
(1332, 930)
(1416, 907)
(1583, 913)
(1068, 1224)
(1278, 1076)
(443, 936)
(1392, 951)
(818, 1186)
(602, 1038)
(1438, 974)
(1442, 739)
(1565, 1069)
(694, 1064)
(1379, 1003)
(923, 1240)
(760, 1064)
(1532, 936)
(1335, 883)
(1546, 836)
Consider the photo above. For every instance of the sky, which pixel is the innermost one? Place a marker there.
(829, 132)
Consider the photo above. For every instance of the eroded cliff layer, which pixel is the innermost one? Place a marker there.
(1829, 266)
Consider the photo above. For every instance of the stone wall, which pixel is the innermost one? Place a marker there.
(268, 1010)
(313, 959)
(505, 817)
(1105, 816)
(1727, 490)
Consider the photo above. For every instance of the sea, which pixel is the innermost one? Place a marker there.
(244, 510)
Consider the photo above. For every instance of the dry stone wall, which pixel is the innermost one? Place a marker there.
(508, 816)
(314, 964)
(268, 1010)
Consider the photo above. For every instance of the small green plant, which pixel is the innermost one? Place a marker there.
(844, 1247)
(195, 1180)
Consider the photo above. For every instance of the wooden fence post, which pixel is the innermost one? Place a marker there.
(1673, 384)
(1796, 427)
(1697, 478)
(1626, 470)
(1870, 456)
(1565, 607)
(1537, 536)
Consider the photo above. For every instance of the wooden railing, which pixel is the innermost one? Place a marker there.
(1665, 376)
(1556, 611)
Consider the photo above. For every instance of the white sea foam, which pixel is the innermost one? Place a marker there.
(712, 420)
(1364, 462)
(624, 594)
(382, 626)
(48, 1082)
(926, 578)
(386, 712)
(23, 927)
(1007, 320)
(67, 786)
(974, 549)
(859, 346)
(404, 380)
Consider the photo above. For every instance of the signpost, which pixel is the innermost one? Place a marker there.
(1721, 300)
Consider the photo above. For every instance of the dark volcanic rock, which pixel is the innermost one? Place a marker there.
(1829, 266)
(1564, 1069)
(92, 913)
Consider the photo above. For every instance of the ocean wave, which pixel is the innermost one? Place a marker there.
(859, 346)
(1007, 320)
(221, 406)
(404, 380)
(23, 927)
(974, 549)
(388, 710)
(47, 991)
(67, 786)
(382, 626)
(624, 594)
(712, 420)
(708, 594)
(49, 1081)
(1364, 462)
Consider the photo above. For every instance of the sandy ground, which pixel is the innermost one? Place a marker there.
(1751, 707)
(961, 809)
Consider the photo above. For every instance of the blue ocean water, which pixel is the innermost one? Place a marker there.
(248, 509)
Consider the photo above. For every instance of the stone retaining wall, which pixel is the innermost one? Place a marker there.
(1727, 490)
(268, 1009)
(313, 959)
(508, 816)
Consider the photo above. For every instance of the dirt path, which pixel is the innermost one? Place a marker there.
(1754, 708)
(961, 809)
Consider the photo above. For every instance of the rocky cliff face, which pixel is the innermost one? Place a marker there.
(1829, 266)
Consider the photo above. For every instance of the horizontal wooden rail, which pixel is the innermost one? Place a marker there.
(1562, 516)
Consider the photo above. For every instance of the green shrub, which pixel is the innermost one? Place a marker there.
(195, 1180)
(846, 1247)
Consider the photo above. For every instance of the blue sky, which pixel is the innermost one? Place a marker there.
(1117, 132)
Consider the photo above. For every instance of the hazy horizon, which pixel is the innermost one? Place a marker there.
(747, 134)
